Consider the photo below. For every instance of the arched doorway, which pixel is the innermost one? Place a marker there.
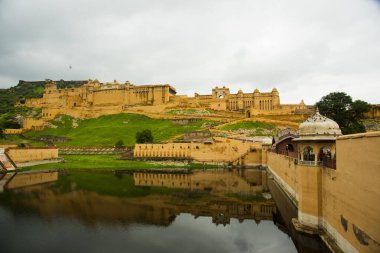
(248, 114)
(324, 153)
(308, 154)
(290, 147)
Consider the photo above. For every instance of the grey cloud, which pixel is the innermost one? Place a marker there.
(297, 46)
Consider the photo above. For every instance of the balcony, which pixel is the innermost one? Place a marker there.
(325, 162)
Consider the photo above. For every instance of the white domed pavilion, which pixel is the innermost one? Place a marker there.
(316, 139)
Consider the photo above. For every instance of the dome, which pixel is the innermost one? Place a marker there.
(256, 91)
(274, 90)
(318, 127)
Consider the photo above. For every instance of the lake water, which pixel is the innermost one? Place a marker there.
(204, 211)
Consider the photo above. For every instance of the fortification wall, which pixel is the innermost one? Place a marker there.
(285, 172)
(374, 113)
(343, 202)
(13, 131)
(31, 123)
(350, 195)
(95, 96)
(226, 152)
(112, 97)
(19, 155)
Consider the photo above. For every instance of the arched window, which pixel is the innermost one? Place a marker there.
(290, 147)
(308, 154)
(324, 153)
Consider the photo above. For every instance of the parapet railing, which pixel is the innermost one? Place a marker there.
(329, 163)
(326, 162)
(285, 153)
(310, 163)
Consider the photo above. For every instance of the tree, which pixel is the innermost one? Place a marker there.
(347, 113)
(144, 136)
(1, 133)
(119, 144)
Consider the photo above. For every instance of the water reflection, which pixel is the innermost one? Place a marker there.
(131, 210)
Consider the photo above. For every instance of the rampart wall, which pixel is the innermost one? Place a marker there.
(230, 151)
(342, 202)
(19, 155)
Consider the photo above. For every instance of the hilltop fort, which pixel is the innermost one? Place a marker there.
(93, 99)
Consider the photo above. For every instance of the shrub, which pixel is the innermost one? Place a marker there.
(144, 136)
(119, 144)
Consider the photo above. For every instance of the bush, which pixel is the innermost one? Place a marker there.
(119, 144)
(144, 136)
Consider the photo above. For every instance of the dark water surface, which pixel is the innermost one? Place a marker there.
(205, 211)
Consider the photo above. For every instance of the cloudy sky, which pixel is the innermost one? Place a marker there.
(305, 48)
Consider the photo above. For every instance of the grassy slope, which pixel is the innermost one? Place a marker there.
(106, 130)
(261, 128)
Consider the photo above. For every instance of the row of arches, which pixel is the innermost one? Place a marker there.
(308, 154)
(162, 153)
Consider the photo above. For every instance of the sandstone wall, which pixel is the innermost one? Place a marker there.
(285, 171)
(19, 155)
(218, 152)
(343, 202)
(351, 194)
(374, 113)
(31, 123)
(13, 131)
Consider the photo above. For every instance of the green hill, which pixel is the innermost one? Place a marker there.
(25, 89)
(252, 128)
(106, 130)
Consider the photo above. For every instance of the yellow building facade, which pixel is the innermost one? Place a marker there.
(94, 99)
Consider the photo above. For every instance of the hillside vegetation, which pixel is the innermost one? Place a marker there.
(107, 130)
(23, 90)
(252, 128)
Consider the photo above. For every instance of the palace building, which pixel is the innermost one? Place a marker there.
(94, 99)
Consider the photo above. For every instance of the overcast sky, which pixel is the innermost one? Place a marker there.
(305, 48)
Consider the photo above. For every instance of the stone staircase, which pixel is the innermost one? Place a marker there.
(5, 162)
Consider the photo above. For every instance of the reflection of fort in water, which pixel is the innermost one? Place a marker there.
(216, 181)
(91, 207)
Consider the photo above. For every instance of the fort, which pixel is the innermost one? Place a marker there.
(315, 166)
(93, 99)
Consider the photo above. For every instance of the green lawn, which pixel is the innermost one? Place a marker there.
(15, 139)
(110, 162)
(106, 130)
(261, 129)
